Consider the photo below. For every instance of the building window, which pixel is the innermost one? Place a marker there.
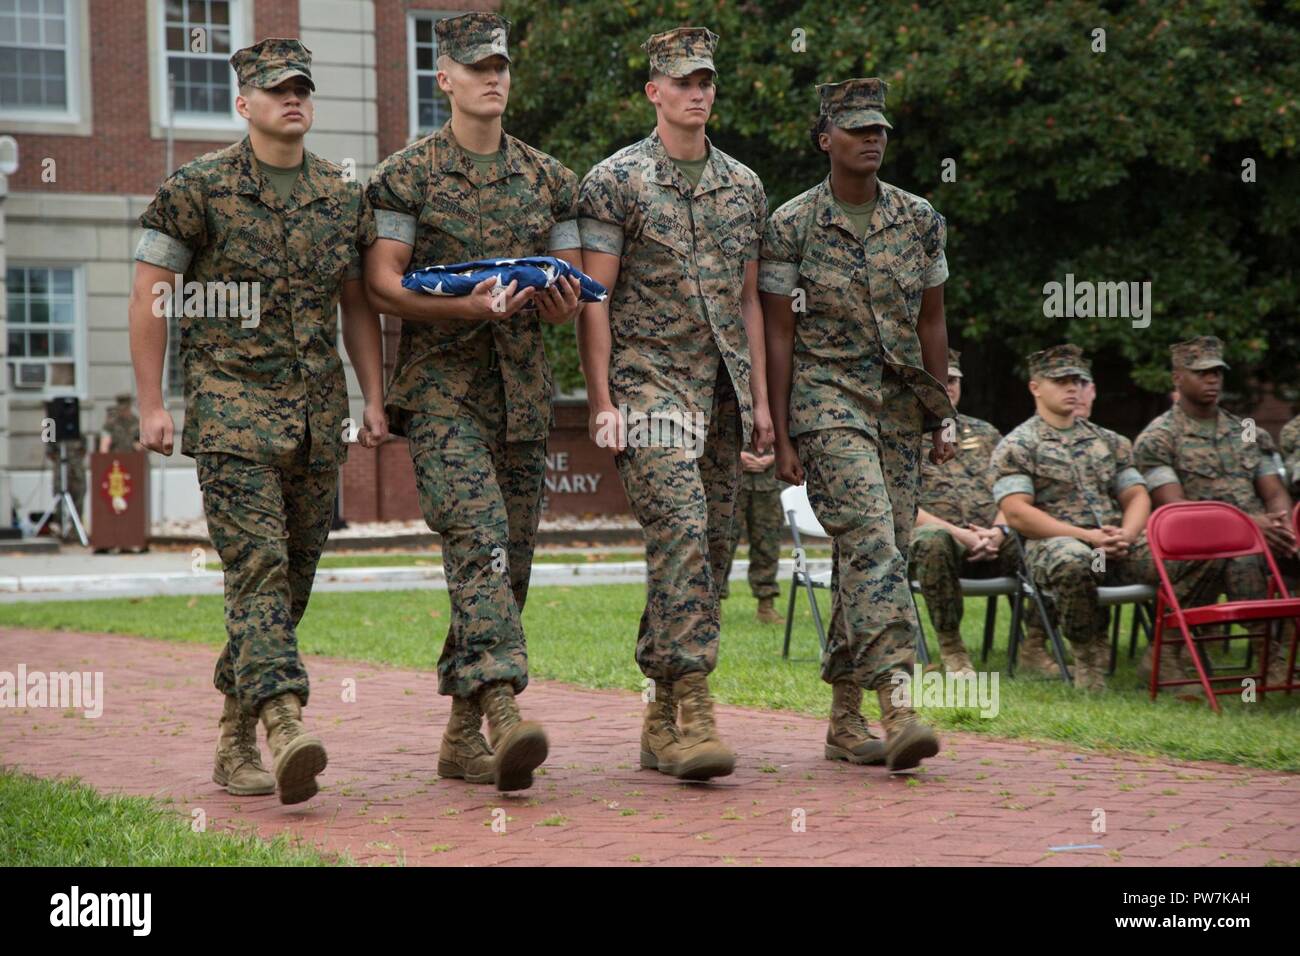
(429, 106)
(37, 57)
(199, 37)
(43, 329)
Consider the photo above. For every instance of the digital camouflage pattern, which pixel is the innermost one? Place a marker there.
(431, 196)
(1211, 460)
(686, 509)
(122, 427)
(475, 399)
(1059, 361)
(271, 62)
(1074, 474)
(1198, 354)
(939, 563)
(482, 494)
(863, 487)
(855, 103)
(861, 300)
(472, 37)
(759, 518)
(1289, 444)
(260, 392)
(960, 490)
(674, 314)
(682, 51)
(268, 521)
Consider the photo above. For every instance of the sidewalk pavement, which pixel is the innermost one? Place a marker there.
(981, 801)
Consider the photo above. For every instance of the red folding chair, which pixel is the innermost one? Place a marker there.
(1210, 531)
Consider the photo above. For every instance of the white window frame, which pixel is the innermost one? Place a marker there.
(80, 361)
(210, 127)
(412, 76)
(74, 118)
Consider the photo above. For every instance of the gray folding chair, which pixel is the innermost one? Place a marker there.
(1143, 598)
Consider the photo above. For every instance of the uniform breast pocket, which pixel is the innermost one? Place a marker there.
(1055, 471)
(1203, 462)
(664, 235)
(249, 255)
(332, 257)
(816, 276)
(532, 228)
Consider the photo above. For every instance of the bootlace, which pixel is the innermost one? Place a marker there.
(472, 729)
(501, 714)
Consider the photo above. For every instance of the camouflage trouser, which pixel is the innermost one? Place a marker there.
(685, 507)
(1064, 570)
(483, 495)
(938, 562)
(863, 489)
(269, 523)
(758, 515)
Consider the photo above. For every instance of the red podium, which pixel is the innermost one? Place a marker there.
(119, 496)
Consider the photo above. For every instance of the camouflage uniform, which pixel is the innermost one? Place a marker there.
(679, 350)
(1212, 461)
(1289, 445)
(1076, 475)
(860, 394)
(758, 515)
(122, 426)
(264, 405)
(474, 399)
(959, 492)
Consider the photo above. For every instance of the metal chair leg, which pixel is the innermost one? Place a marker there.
(816, 611)
(990, 623)
(789, 616)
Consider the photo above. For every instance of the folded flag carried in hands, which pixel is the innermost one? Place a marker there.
(536, 272)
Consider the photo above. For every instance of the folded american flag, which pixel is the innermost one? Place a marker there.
(536, 272)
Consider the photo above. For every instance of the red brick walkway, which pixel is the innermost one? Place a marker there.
(981, 801)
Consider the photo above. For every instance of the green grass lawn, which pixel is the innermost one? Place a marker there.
(586, 635)
(58, 823)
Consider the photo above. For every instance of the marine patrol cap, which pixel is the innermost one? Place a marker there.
(473, 37)
(954, 364)
(681, 52)
(272, 61)
(1060, 361)
(1198, 354)
(854, 104)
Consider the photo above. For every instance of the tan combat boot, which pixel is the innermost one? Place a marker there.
(767, 613)
(956, 659)
(1090, 665)
(848, 737)
(238, 766)
(700, 754)
(520, 745)
(465, 754)
(1034, 656)
(908, 739)
(1172, 665)
(659, 734)
(296, 755)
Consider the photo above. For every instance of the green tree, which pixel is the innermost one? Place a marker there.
(1130, 163)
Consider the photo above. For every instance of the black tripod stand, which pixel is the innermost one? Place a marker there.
(63, 503)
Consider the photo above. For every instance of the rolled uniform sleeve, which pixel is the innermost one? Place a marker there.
(1268, 457)
(934, 238)
(1154, 457)
(1011, 470)
(778, 264)
(396, 195)
(753, 251)
(175, 225)
(564, 208)
(601, 213)
(1127, 474)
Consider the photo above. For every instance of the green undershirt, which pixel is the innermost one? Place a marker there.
(692, 169)
(282, 179)
(483, 162)
(859, 216)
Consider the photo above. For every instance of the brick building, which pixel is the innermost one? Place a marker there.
(104, 98)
